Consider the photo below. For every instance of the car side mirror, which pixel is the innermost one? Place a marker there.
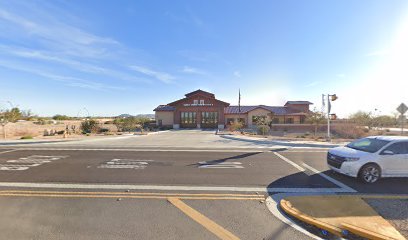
(388, 152)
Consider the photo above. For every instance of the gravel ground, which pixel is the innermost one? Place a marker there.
(395, 211)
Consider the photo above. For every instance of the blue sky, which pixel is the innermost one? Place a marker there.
(115, 57)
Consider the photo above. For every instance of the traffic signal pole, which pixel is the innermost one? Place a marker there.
(333, 98)
(328, 118)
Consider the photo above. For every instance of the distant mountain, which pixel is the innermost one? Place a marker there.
(125, 115)
(145, 115)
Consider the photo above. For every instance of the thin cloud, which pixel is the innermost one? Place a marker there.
(237, 74)
(161, 76)
(66, 61)
(57, 35)
(312, 84)
(66, 80)
(187, 69)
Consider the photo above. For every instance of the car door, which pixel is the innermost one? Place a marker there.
(404, 163)
(395, 164)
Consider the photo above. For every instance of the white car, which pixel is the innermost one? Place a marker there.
(371, 158)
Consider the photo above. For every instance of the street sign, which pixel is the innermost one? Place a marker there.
(402, 108)
(402, 119)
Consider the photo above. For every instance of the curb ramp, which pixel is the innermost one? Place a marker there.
(339, 214)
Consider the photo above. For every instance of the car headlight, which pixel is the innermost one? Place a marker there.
(350, 159)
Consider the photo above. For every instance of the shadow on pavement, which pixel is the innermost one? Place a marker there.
(383, 186)
(227, 159)
(302, 180)
(269, 143)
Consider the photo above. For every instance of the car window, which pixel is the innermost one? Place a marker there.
(371, 145)
(398, 148)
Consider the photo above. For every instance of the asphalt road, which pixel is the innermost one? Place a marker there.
(51, 192)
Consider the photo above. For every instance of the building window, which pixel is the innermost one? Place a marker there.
(275, 120)
(209, 117)
(302, 119)
(195, 102)
(289, 120)
(188, 117)
(230, 120)
(201, 102)
(241, 120)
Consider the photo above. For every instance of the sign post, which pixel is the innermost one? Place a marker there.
(402, 109)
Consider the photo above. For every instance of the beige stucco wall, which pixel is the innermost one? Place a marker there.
(260, 112)
(166, 117)
(257, 112)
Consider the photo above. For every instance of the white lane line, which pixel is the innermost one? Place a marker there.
(290, 162)
(9, 151)
(139, 150)
(168, 188)
(334, 181)
(274, 209)
(296, 151)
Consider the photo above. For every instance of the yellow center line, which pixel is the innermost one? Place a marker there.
(123, 196)
(210, 225)
(132, 193)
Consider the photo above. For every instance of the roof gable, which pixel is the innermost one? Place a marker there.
(200, 92)
(298, 103)
(164, 108)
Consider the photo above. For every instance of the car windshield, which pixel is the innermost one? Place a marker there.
(368, 144)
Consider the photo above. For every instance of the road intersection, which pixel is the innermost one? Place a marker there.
(144, 187)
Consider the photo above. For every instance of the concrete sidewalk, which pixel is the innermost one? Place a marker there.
(282, 143)
(338, 214)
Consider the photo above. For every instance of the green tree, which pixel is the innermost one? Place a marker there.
(131, 123)
(60, 117)
(89, 126)
(13, 115)
(384, 121)
(262, 122)
(315, 118)
(362, 118)
(7, 116)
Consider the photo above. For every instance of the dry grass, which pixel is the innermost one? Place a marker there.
(19, 129)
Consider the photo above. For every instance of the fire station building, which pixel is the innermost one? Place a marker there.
(200, 109)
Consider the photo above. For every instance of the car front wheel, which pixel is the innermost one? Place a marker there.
(370, 173)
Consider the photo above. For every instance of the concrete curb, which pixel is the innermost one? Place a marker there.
(287, 207)
(364, 232)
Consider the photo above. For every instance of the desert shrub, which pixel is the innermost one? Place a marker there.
(348, 131)
(89, 126)
(41, 122)
(166, 127)
(108, 122)
(61, 132)
(27, 137)
(366, 130)
(60, 117)
(103, 130)
(235, 126)
(263, 129)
